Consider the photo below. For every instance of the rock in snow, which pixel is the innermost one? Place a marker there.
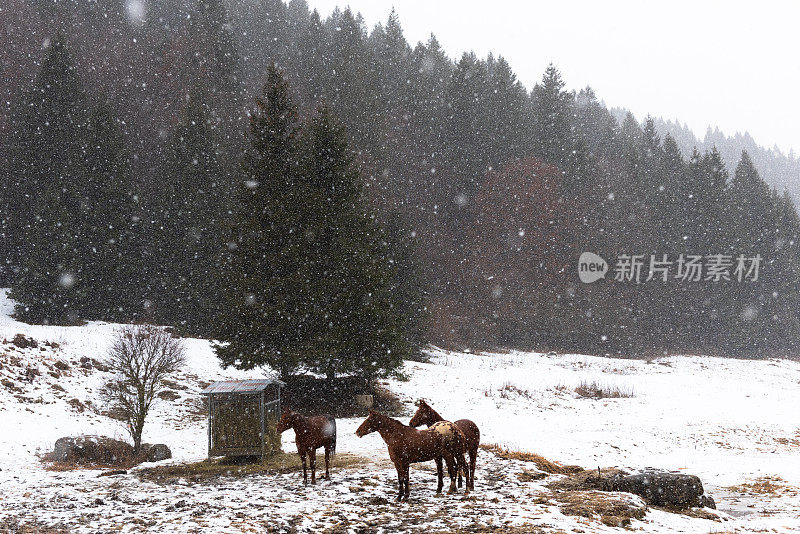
(664, 488)
(91, 450)
(156, 453)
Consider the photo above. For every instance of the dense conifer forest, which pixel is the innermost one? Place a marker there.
(327, 196)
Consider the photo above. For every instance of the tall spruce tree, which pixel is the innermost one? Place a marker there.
(363, 328)
(109, 215)
(310, 282)
(191, 217)
(750, 200)
(48, 164)
(76, 193)
(266, 318)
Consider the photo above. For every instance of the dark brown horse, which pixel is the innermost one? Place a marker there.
(408, 445)
(311, 433)
(428, 416)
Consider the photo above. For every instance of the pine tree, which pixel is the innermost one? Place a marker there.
(47, 162)
(362, 327)
(309, 275)
(191, 217)
(749, 200)
(265, 320)
(76, 188)
(352, 81)
(709, 199)
(552, 111)
(466, 139)
(109, 215)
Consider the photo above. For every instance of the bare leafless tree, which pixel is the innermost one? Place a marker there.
(141, 357)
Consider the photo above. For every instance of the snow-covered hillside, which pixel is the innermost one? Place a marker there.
(733, 423)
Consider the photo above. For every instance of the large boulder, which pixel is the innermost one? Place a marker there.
(156, 453)
(92, 450)
(661, 488)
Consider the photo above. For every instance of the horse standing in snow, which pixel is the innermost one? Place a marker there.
(408, 445)
(311, 433)
(428, 416)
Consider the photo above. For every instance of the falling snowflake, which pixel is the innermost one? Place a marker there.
(66, 280)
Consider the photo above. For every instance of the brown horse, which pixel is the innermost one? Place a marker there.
(408, 445)
(311, 433)
(428, 416)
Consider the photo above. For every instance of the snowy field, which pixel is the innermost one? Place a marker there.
(735, 424)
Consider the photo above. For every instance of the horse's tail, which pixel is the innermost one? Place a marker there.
(333, 435)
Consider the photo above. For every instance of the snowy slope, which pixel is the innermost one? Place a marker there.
(730, 422)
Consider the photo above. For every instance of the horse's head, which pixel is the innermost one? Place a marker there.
(370, 424)
(423, 416)
(286, 421)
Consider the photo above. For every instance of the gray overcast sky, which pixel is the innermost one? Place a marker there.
(732, 64)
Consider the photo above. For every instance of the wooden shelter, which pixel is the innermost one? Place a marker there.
(239, 412)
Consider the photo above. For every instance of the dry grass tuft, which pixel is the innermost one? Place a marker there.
(509, 391)
(613, 509)
(282, 462)
(586, 480)
(60, 467)
(499, 529)
(767, 485)
(13, 525)
(595, 390)
(541, 463)
(698, 513)
(530, 476)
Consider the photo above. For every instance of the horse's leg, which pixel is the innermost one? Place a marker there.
(459, 475)
(312, 458)
(399, 468)
(408, 481)
(473, 457)
(465, 468)
(327, 462)
(450, 460)
(305, 473)
(439, 475)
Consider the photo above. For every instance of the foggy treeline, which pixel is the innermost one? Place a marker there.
(488, 192)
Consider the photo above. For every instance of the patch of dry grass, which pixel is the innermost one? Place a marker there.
(541, 463)
(790, 442)
(530, 476)
(612, 509)
(282, 462)
(59, 467)
(767, 485)
(586, 480)
(595, 390)
(500, 529)
(14, 525)
(698, 513)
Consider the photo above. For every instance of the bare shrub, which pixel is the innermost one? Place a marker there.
(510, 390)
(140, 357)
(595, 390)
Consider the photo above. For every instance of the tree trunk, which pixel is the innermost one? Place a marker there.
(136, 434)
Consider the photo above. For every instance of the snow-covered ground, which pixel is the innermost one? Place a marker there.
(736, 424)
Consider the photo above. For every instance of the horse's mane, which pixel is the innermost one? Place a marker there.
(434, 413)
(385, 418)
